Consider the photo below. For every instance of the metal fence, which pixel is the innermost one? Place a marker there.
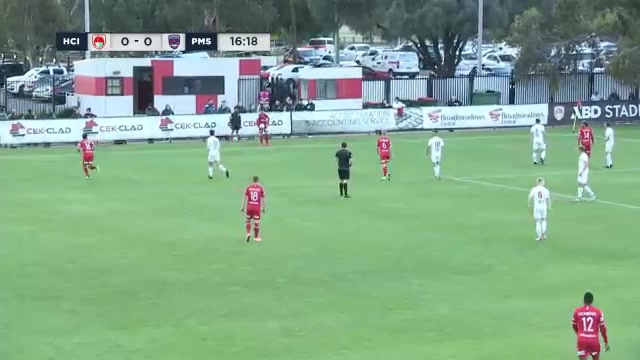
(40, 98)
(533, 89)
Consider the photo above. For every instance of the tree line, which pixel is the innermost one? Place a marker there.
(547, 31)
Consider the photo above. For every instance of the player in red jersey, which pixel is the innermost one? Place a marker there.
(254, 205)
(586, 138)
(384, 151)
(588, 323)
(263, 127)
(87, 147)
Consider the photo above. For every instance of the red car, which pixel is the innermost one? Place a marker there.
(370, 74)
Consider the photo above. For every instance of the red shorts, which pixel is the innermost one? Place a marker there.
(87, 158)
(253, 213)
(385, 157)
(588, 347)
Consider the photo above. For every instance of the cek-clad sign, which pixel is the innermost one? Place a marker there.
(597, 111)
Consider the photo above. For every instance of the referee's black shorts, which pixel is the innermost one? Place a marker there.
(344, 174)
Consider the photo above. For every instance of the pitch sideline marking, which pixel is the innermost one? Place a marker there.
(534, 175)
(521, 189)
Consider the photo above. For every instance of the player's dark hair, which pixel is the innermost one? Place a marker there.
(435, 131)
(585, 124)
(84, 136)
(582, 148)
(588, 298)
(344, 145)
(255, 179)
(212, 132)
(537, 121)
(607, 124)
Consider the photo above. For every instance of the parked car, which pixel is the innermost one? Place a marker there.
(354, 51)
(289, 73)
(58, 93)
(395, 63)
(16, 84)
(10, 69)
(323, 45)
(308, 56)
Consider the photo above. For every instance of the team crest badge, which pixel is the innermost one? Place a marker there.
(98, 41)
(558, 112)
(174, 41)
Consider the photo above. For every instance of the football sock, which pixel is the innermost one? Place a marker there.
(580, 190)
(222, 168)
(266, 139)
(543, 155)
(247, 226)
(544, 227)
(538, 229)
(589, 191)
(436, 170)
(210, 171)
(346, 189)
(86, 170)
(385, 170)
(341, 189)
(609, 159)
(256, 230)
(535, 156)
(261, 139)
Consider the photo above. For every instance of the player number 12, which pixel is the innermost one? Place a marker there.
(587, 324)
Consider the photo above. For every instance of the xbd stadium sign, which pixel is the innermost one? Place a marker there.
(598, 111)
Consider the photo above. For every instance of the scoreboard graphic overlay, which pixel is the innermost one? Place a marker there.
(157, 42)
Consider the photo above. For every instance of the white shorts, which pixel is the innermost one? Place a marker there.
(608, 147)
(436, 158)
(214, 157)
(583, 179)
(539, 146)
(540, 213)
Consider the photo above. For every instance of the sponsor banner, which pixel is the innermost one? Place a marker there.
(342, 121)
(597, 111)
(40, 131)
(484, 116)
(134, 128)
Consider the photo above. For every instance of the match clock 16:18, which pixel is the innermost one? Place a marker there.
(244, 42)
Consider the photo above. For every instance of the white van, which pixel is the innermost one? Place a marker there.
(323, 45)
(396, 63)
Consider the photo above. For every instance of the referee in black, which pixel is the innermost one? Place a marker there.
(344, 158)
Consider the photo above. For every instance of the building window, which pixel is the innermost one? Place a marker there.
(193, 85)
(114, 86)
(326, 89)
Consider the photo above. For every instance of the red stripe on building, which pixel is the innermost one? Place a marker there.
(89, 85)
(249, 67)
(311, 89)
(127, 86)
(349, 88)
(161, 69)
(202, 100)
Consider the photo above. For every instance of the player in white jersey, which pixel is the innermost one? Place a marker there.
(583, 176)
(539, 142)
(434, 148)
(609, 140)
(540, 199)
(213, 146)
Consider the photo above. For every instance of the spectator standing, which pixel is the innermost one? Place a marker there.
(235, 122)
(288, 105)
(168, 111)
(88, 114)
(614, 96)
(209, 108)
(13, 115)
(596, 96)
(398, 106)
(264, 98)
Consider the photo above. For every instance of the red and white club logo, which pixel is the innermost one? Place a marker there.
(434, 116)
(98, 41)
(495, 114)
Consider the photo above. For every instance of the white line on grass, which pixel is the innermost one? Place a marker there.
(544, 174)
(521, 189)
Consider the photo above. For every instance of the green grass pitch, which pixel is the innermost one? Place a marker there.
(148, 260)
